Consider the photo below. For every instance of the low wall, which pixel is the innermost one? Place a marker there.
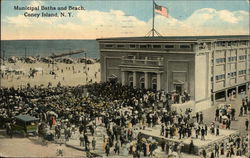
(209, 146)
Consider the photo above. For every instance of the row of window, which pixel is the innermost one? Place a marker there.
(231, 74)
(220, 77)
(243, 57)
(231, 59)
(242, 72)
(220, 60)
(233, 43)
(147, 46)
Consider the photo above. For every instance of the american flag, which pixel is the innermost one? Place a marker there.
(161, 10)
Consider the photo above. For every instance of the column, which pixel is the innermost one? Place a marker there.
(123, 77)
(226, 69)
(134, 79)
(214, 94)
(146, 61)
(247, 90)
(158, 81)
(237, 66)
(133, 59)
(146, 79)
(214, 65)
(237, 92)
(226, 95)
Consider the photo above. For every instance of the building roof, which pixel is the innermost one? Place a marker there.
(178, 38)
(26, 118)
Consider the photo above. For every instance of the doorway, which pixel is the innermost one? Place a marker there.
(178, 88)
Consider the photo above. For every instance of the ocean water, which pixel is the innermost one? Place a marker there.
(48, 47)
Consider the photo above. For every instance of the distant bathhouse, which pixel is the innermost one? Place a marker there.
(205, 66)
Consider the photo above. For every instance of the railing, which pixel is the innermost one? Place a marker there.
(142, 62)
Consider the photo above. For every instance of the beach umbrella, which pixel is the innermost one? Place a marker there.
(144, 139)
(224, 117)
(52, 113)
(150, 138)
(174, 154)
(3, 68)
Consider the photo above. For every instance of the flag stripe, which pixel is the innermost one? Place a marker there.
(161, 10)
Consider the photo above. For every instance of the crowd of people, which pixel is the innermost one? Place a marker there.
(120, 109)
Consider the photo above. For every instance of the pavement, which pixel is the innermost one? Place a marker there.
(20, 146)
(236, 126)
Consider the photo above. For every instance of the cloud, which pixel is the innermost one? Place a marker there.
(19, 21)
(34, 4)
(114, 23)
(206, 21)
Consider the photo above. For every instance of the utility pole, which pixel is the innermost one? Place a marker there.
(0, 68)
(153, 23)
(153, 30)
(69, 52)
(25, 52)
(86, 66)
(3, 56)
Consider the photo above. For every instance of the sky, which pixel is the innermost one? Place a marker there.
(124, 18)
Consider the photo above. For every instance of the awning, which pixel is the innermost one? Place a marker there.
(178, 82)
(26, 118)
(113, 76)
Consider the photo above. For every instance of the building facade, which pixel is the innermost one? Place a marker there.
(204, 66)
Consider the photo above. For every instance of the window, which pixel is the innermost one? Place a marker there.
(109, 46)
(243, 57)
(120, 46)
(220, 77)
(185, 46)
(243, 43)
(242, 72)
(220, 60)
(231, 59)
(169, 46)
(143, 46)
(132, 45)
(156, 46)
(149, 46)
(231, 74)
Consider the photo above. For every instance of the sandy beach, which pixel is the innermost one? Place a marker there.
(67, 74)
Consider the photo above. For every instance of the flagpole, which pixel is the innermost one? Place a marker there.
(153, 27)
